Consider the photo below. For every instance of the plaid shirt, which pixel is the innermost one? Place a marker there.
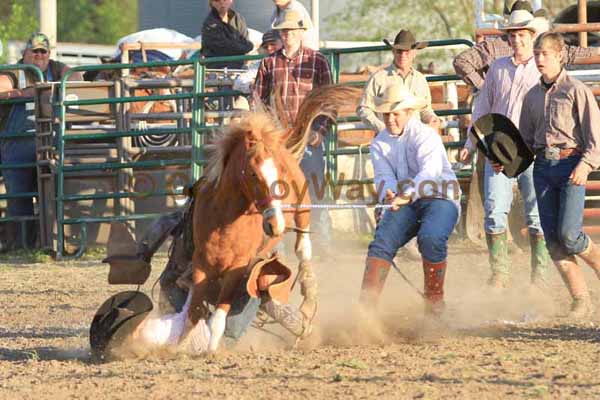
(472, 64)
(296, 76)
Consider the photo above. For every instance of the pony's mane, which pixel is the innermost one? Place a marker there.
(262, 128)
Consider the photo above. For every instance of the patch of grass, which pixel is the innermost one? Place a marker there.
(353, 363)
(26, 257)
(539, 391)
(94, 253)
(32, 355)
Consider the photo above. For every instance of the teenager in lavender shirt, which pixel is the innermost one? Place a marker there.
(506, 84)
(416, 180)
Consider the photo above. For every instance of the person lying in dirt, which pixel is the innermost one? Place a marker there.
(130, 264)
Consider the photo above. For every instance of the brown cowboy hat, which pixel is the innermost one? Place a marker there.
(272, 277)
(500, 141)
(405, 40)
(116, 318)
(126, 267)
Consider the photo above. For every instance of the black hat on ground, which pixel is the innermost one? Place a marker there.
(116, 318)
(500, 141)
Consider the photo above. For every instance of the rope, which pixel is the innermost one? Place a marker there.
(407, 280)
(335, 206)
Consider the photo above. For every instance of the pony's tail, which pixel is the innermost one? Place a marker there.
(325, 101)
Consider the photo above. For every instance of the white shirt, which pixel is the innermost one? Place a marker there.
(414, 164)
(310, 38)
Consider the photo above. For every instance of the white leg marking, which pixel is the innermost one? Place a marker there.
(216, 324)
(270, 174)
(303, 247)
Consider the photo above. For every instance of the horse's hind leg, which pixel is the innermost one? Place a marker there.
(217, 321)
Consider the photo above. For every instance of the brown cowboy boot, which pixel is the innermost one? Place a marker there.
(433, 275)
(591, 255)
(376, 272)
(572, 275)
(498, 257)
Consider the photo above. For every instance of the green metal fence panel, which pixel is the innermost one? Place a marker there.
(16, 135)
(196, 129)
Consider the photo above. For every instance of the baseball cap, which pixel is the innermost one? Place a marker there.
(38, 41)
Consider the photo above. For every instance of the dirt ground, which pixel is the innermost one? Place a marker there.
(506, 345)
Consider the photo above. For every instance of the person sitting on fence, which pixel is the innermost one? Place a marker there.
(560, 123)
(418, 184)
(224, 33)
(310, 38)
(271, 42)
(19, 119)
(294, 71)
(472, 64)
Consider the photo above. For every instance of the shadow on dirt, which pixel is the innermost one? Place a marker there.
(45, 333)
(43, 353)
(563, 332)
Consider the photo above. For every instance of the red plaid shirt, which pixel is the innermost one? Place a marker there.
(297, 76)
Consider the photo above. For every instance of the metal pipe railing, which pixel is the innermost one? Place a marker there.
(19, 135)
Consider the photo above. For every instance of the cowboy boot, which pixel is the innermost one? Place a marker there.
(157, 233)
(288, 317)
(433, 275)
(498, 257)
(308, 289)
(540, 260)
(572, 276)
(591, 255)
(376, 271)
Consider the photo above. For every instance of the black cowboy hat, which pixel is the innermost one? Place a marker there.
(500, 141)
(405, 40)
(116, 318)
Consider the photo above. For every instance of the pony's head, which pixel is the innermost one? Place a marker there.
(246, 159)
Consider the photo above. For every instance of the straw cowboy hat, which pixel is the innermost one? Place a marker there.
(521, 19)
(396, 98)
(405, 40)
(291, 19)
(116, 318)
(500, 141)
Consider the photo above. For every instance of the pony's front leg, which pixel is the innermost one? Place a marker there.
(306, 275)
(197, 311)
(218, 320)
(216, 324)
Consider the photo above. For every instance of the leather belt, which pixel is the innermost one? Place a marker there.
(559, 154)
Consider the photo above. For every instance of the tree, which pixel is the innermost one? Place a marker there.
(17, 22)
(83, 21)
(96, 21)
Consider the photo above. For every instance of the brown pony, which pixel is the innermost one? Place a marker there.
(253, 170)
(250, 174)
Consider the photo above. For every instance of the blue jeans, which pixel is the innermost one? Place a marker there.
(19, 151)
(242, 313)
(313, 166)
(561, 206)
(498, 189)
(430, 220)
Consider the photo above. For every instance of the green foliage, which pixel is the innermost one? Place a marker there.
(99, 21)
(87, 21)
(17, 21)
